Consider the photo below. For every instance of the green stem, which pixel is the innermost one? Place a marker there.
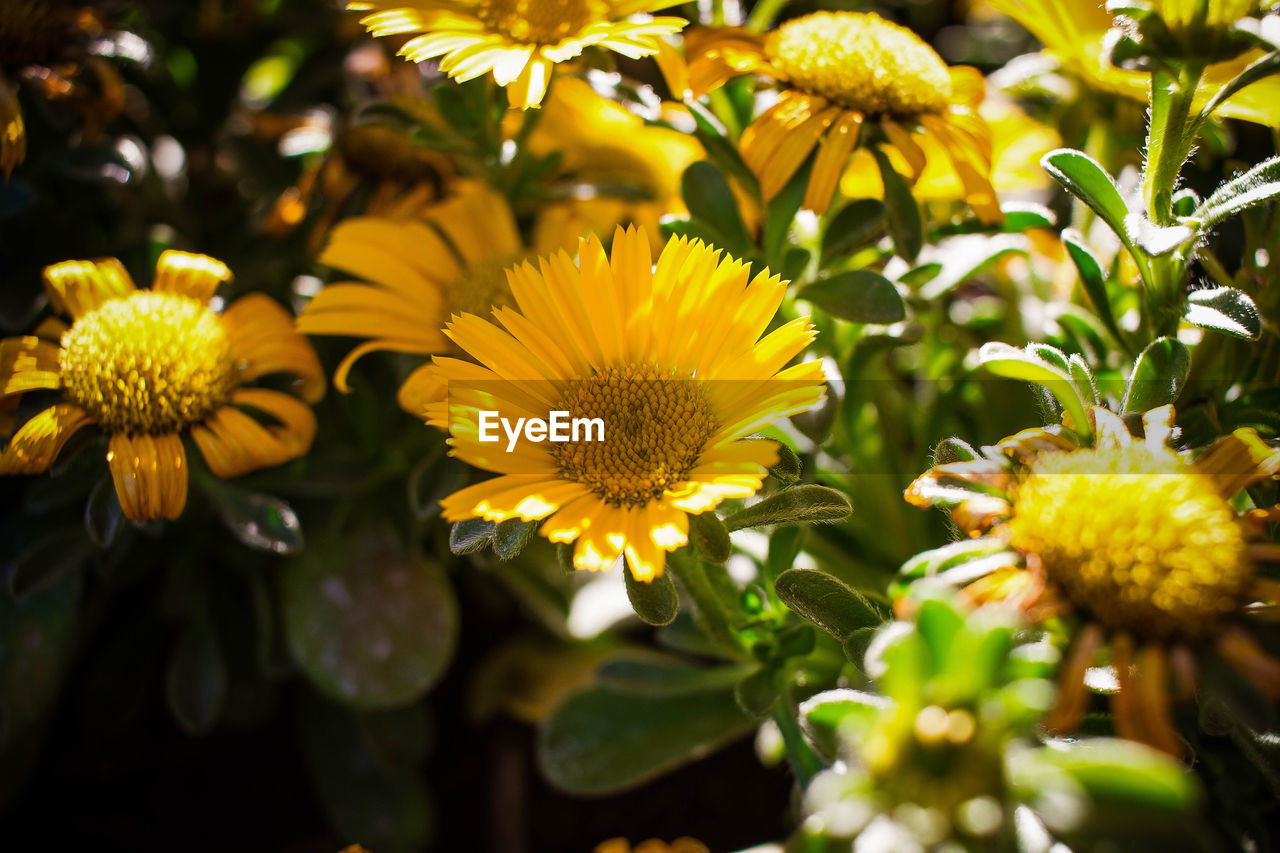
(710, 610)
(800, 755)
(763, 14)
(1170, 137)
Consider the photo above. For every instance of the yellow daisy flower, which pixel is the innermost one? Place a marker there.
(416, 273)
(1073, 32)
(519, 41)
(1139, 542)
(668, 357)
(843, 73)
(148, 366)
(603, 144)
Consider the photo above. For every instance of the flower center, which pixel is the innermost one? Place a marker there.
(148, 363)
(861, 61)
(655, 426)
(482, 288)
(545, 22)
(1135, 537)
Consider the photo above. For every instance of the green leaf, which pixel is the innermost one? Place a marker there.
(966, 256)
(47, 561)
(709, 536)
(368, 625)
(788, 468)
(370, 793)
(655, 602)
(511, 536)
(1157, 376)
(1094, 282)
(103, 514)
(780, 213)
(467, 537)
(859, 296)
(1081, 176)
(1256, 186)
(1225, 310)
(709, 198)
(1031, 366)
(1111, 770)
(1020, 216)
(901, 210)
(1083, 376)
(600, 741)
(796, 505)
(816, 423)
(827, 602)
(668, 677)
(196, 685)
(261, 522)
(757, 693)
(953, 449)
(824, 715)
(856, 223)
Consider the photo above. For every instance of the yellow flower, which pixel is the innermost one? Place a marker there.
(1018, 143)
(1137, 541)
(420, 271)
(603, 144)
(1072, 31)
(519, 41)
(841, 74)
(148, 366)
(669, 358)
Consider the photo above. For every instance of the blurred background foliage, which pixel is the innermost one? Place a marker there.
(306, 659)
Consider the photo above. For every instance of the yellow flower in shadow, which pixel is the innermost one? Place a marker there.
(150, 366)
(414, 273)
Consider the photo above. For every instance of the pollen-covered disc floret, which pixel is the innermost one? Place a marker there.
(861, 61)
(542, 22)
(1134, 537)
(656, 424)
(148, 363)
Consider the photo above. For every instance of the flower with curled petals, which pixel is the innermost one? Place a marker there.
(1139, 545)
(149, 367)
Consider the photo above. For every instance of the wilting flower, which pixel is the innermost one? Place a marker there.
(371, 169)
(622, 171)
(1139, 542)
(150, 366)
(843, 74)
(669, 358)
(1073, 32)
(419, 272)
(43, 45)
(519, 41)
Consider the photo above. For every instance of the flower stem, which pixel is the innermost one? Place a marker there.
(803, 761)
